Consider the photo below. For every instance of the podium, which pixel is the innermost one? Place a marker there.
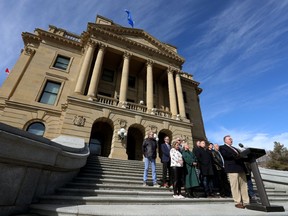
(250, 155)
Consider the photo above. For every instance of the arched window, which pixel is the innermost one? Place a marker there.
(37, 128)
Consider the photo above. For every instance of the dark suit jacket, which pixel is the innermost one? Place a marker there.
(204, 158)
(232, 162)
(165, 153)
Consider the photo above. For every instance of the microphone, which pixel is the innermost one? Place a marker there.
(241, 145)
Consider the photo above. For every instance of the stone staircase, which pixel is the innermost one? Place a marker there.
(105, 181)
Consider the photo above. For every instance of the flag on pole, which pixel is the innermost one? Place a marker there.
(130, 20)
(7, 71)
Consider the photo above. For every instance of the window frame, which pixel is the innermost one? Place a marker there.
(42, 91)
(108, 70)
(36, 122)
(55, 61)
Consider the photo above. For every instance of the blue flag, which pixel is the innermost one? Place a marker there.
(130, 20)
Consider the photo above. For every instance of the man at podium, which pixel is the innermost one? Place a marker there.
(236, 171)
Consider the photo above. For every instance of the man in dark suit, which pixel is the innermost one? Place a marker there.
(235, 168)
(165, 159)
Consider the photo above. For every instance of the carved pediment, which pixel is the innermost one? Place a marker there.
(137, 38)
(141, 40)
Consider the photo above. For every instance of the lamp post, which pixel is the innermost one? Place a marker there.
(122, 133)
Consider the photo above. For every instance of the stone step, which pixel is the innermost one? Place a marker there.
(101, 186)
(223, 209)
(113, 175)
(105, 181)
(119, 172)
(115, 193)
(116, 167)
(127, 200)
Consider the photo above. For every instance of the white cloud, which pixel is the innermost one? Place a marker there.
(249, 138)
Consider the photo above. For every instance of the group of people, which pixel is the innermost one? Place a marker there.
(209, 166)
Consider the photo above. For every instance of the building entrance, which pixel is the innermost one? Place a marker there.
(100, 139)
(135, 138)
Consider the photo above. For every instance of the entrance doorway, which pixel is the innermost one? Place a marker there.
(101, 137)
(135, 138)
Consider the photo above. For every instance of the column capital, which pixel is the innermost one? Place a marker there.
(149, 62)
(127, 55)
(173, 70)
(102, 46)
(91, 43)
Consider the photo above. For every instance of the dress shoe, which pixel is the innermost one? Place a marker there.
(239, 205)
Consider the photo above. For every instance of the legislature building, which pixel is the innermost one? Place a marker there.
(109, 86)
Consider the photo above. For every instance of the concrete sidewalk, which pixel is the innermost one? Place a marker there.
(215, 209)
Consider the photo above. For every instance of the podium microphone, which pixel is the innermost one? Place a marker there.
(241, 145)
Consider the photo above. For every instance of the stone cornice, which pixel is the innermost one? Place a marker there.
(59, 38)
(30, 38)
(32, 108)
(115, 33)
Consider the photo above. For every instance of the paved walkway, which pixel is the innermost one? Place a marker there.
(164, 210)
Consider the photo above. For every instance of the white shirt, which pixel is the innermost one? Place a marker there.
(176, 158)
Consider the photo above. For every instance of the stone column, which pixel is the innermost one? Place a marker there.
(83, 75)
(96, 72)
(181, 104)
(124, 79)
(172, 94)
(149, 86)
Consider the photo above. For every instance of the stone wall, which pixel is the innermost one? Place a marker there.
(32, 166)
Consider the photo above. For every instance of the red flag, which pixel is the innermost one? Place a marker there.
(7, 71)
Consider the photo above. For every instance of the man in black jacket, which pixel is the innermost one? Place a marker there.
(149, 148)
(235, 168)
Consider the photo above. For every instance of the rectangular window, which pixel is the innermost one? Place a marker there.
(105, 94)
(132, 82)
(61, 62)
(50, 93)
(185, 97)
(108, 75)
(130, 100)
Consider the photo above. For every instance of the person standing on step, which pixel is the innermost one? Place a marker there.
(220, 174)
(191, 178)
(177, 167)
(205, 161)
(149, 150)
(236, 170)
(165, 159)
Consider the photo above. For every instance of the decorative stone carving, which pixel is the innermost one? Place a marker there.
(149, 62)
(122, 123)
(153, 128)
(79, 121)
(64, 106)
(28, 51)
(127, 55)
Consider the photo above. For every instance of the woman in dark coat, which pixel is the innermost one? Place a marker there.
(191, 179)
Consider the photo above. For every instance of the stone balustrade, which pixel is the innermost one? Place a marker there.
(32, 166)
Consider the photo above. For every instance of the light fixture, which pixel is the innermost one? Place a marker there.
(141, 102)
(156, 137)
(122, 133)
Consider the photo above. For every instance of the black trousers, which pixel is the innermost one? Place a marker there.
(166, 169)
(223, 183)
(177, 179)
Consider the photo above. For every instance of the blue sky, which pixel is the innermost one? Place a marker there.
(237, 50)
